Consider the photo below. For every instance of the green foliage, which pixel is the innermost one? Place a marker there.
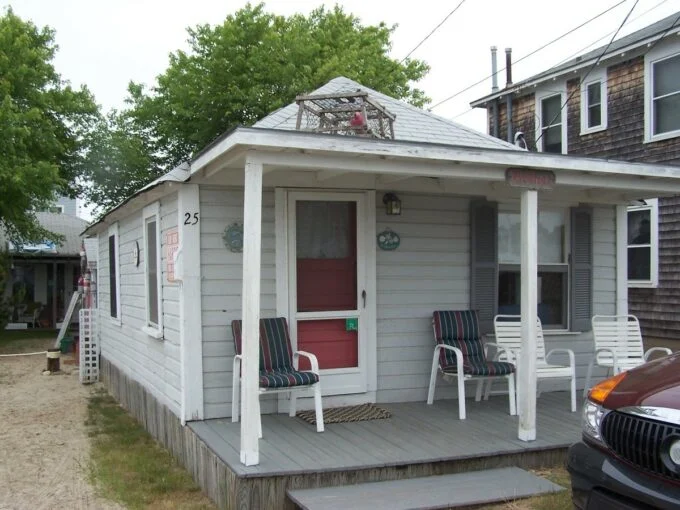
(43, 122)
(120, 161)
(236, 73)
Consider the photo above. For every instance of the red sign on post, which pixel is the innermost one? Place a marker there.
(530, 179)
(171, 247)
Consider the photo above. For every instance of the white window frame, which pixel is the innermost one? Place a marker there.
(598, 76)
(653, 57)
(113, 231)
(541, 95)
(504, 208)
(151, 329)
(652, 205)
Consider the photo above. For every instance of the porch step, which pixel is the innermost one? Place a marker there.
(443, 491)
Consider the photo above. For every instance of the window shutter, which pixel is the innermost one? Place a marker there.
(581, 285)
(484, 262)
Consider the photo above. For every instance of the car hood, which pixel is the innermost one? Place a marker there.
(654, 384)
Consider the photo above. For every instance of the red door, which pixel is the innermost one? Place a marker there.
(326, 293)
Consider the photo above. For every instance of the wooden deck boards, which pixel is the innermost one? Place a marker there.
(416, 433)
(443, 491)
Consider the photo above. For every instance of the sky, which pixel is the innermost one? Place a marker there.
(107, 43)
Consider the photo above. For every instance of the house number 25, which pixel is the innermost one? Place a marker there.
(189, 219)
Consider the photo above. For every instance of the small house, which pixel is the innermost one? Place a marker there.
(355, 216)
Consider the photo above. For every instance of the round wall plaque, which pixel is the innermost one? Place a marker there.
(233, 237)
(388, 240)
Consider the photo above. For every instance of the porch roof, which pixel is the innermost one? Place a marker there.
(324, 157)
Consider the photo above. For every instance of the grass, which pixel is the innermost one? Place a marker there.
(128, 466)
(556, 501)
(26, 340)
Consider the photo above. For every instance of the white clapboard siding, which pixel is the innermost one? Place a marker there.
(221, 289)
(429, 271)
(153, 363)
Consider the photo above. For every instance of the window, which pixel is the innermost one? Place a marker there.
(551, 132)
(643, 245)
(553, 267)
(594, 103)
(114, 272)
(152, 271)
(56, 209)
(662, 95)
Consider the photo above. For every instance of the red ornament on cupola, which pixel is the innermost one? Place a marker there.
(357, 120)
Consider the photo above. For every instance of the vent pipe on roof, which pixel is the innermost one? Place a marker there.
(508, 97)
(494, 70)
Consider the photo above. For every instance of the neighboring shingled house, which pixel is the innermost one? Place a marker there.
(45, 275)
(626, 107)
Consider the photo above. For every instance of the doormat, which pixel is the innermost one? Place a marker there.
(347, 414)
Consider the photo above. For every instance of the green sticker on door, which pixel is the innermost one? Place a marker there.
(352, 324)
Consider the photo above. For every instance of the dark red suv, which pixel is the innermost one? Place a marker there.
(630, 454)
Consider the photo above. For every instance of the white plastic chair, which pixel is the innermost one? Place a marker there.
(508, 330)
(618, 345)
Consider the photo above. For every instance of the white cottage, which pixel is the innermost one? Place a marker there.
(358, 284)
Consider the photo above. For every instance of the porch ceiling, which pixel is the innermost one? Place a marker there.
(295, 159)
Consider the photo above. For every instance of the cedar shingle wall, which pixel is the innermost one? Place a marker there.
(658, 309)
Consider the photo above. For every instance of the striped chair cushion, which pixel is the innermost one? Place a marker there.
(286, 378)
(481, 367)
(275, 350)
(458, 328)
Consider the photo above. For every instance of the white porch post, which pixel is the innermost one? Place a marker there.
(621, 260)
(188, 274)
(252, 227)
(527, 362)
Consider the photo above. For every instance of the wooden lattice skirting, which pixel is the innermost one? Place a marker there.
(361, 412)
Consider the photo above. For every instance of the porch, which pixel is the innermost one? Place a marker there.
(418, 440)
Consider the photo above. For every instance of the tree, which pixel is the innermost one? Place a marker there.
(120, 161)
(43, 122)
(253, 63)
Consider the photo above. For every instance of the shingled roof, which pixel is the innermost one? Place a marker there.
(63, 224)
(638, 39)
(412, 124)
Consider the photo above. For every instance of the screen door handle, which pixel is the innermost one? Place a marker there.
(363, 297)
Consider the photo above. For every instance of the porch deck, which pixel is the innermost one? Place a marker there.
(415, 434)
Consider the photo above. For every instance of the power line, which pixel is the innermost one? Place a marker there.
(433, 31)
(469, 109)
(606, 35)
(530, 54)
(597, 61)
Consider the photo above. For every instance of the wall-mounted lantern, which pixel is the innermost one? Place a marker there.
(392, 204)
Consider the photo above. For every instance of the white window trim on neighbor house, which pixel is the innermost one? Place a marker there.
(153, 329)
(652, 205)
(597, 76)
(115, 264)
(652, 58)
(539, 96)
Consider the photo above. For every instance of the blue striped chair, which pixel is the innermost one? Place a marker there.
(459, 354)
(278, 368)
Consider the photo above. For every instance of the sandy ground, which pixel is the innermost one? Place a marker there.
(44, 448)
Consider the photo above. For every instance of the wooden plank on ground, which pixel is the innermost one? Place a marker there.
(445, 491)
